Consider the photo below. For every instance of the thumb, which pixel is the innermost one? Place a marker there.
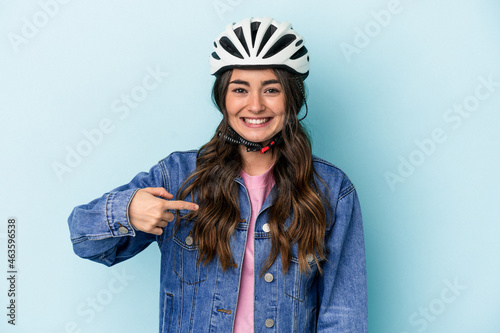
(158, 192)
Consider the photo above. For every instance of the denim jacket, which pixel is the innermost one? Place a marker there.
(203, 298)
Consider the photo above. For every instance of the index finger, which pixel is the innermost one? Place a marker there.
(182, 205)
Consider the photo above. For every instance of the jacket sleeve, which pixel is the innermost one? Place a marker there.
(101, 230)
(342, 289)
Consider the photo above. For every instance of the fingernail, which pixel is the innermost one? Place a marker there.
(196, 207)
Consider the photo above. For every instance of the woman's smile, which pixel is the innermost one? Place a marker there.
(256, 122)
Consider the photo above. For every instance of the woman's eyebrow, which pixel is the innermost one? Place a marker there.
(240, 82)
(270, 82)
(264, 83)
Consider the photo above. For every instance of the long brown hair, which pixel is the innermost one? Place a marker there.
(213, 184)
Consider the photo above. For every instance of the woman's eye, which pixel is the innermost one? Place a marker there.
(239, 90)
(272, 91)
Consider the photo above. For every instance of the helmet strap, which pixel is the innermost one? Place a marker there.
(303, 95)
(234, 137)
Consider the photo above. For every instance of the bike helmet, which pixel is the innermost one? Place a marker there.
(260, 42)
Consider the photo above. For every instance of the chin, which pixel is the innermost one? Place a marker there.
(256, 135)
(259, 139)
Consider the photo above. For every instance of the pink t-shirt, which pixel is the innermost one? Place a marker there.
(258, 189)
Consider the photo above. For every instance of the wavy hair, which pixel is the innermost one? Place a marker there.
(213, 185)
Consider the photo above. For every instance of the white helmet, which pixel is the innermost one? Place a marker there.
(260, 42)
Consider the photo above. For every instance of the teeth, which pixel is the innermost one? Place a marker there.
(256, 121)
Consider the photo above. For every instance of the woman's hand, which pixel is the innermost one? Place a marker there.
(149, 214)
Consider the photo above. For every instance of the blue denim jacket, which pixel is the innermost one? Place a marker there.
(197, 298)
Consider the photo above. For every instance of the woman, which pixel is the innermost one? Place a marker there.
(261, 236)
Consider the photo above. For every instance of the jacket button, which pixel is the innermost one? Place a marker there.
(266, 227)
(309, 257)
(189, 240)
(269, 322)
(123, 230)
(268, 277)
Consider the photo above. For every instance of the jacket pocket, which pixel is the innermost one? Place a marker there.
(297, 284)
(166, 321)
(186, 257)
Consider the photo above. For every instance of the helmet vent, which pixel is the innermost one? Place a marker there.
(215, 56)
(270, 31)
(302, 51)
(254, 27)
(239, 33)
(283, 42)
(229, 47)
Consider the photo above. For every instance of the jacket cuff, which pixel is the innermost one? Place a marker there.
(117, 213)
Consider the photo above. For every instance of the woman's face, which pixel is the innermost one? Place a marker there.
(255, 104)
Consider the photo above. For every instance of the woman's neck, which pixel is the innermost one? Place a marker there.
(255, 163)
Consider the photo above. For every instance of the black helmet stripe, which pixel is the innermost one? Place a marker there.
(280, 44)
(254, 27)
(229, 47)
(239, 33)
(302, 51)
(269, 32)
(215, 56)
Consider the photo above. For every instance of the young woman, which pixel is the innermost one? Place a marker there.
(255, 233)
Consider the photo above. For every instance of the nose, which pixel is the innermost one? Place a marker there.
(255, 103)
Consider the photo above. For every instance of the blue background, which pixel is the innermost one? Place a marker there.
(386, 76)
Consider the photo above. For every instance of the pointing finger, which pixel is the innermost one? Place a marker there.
(182, 205)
